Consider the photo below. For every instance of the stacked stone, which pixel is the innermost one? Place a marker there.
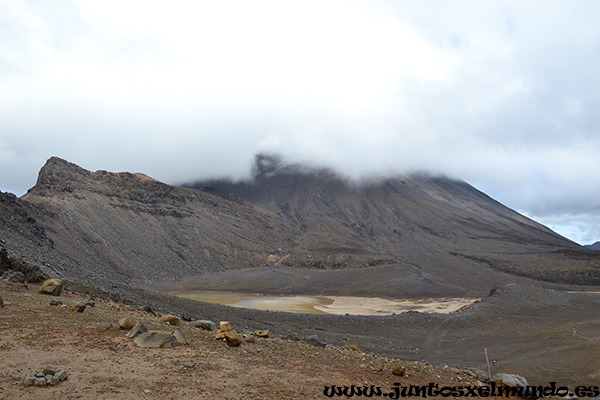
(50, 376)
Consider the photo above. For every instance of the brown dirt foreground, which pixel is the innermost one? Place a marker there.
(103, 363)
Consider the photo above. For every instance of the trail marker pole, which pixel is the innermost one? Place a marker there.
(487, 360)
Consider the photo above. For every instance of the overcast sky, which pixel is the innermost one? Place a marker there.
(502, 94)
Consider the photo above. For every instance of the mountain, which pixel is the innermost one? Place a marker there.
(290, 229)
(434, 234)
(117, 227)
(595, 246)
(294, 229)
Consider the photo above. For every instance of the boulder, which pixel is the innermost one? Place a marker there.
(171, 320)
(77, 307)
(126, 323)
(138, 329)
(511, 380)
(261, 334)
(157, 339)
(52, 287)
(204, 324)
(232, 339)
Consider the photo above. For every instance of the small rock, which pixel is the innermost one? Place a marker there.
(251, 339)
(187, 318)
(77, 307)
(138, 329)
(232, 339)
(204, 324)
(171, 320)
(261, 334)
(40, 381)
(157, 339)
(190, 365)
(51, 380)
(52, 287)
(56, 303)
(35, 380)
(126, 323)
(29, 379)
(13, 276)
(1, 302)
(220, 335)
(224, 326)
(398, 370)
(149, 310)
(293, 337)
(50, 370)
(316, 340)
(61, 375)
(91, 303)
(477, 373)
(352, 347)
(179, 336)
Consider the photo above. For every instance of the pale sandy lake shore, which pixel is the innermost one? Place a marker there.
(378, 306)
(338, 305)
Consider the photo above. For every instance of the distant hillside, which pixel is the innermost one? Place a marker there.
(439, 229)
(595, 246)
(119, 227)
(289, 229)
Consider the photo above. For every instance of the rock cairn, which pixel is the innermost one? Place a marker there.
(50, 376)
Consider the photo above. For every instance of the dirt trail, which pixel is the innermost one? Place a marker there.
(103, 363)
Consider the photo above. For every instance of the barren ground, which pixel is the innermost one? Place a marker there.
(103, 363)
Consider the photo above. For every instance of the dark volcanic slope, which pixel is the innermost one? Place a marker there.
(595, 246)
(440, 229)
(116, 227)
(406, 236)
